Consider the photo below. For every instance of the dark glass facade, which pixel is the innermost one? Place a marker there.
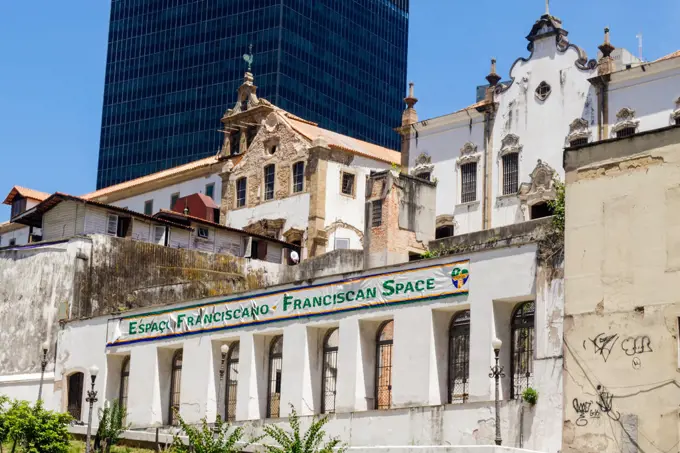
(174, 67)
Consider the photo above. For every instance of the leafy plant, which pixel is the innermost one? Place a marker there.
(37, 430)
(530, 396)
(209, 439)
(111, 425)
(4, 427)
(557, 206)
(313, 440)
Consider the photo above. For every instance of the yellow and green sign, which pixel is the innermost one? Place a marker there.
(365, 292)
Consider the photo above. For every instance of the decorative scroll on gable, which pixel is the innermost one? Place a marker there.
(468, 154)
(266, 227)
(675, 115)
(423, 164)
(579, 129)
(625, 118)
(510, 144)
(541, 187)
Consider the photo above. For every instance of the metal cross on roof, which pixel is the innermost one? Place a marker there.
(249, 58)
(547, 7)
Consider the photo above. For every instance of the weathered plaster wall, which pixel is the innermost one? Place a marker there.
(622, 309)
(20, 235)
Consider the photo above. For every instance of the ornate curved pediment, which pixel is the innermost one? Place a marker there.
(625, 118)
(541, 187)
(468, 154)
(266, 227)
(578, 129)
(510, 144)
(445, 220)
(423, 164)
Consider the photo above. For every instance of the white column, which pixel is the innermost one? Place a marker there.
(482, 331)
(197, 397)
(413, 359)
(145, 407)
(351, 395)
(251, 393)
(296, 385)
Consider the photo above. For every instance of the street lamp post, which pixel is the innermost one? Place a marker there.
(43, 364)
(91, 398)
(497, 373)
(220, 407)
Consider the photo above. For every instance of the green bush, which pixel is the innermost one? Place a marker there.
(111, 425)
(36, 430)
(207, 439)
(530, 396)
(313, 440)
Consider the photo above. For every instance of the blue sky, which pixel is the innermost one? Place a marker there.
(53, 54)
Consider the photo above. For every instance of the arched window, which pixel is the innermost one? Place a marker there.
(232, 381)
(124, 380)
(459, 357)
(175, 386)
(330, 371)
(275, 367)
(75, 395)
(522, 328)
(383, 365)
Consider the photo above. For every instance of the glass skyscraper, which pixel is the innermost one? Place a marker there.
(174, 66)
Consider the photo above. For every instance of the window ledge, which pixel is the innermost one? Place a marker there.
(348, 196)
(469, 203)
(507, 196)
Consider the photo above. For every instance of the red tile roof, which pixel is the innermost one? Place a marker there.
(26, 193)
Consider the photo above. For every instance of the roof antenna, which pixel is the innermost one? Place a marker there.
(547, 7)
(639, 37)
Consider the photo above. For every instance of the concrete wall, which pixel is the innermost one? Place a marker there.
(621, 309)
(161, 197)
(20, 235)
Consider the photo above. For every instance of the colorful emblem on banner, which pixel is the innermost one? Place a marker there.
(459, 277)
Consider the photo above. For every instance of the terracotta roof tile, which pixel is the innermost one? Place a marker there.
(152, 177)
(26, 193)
(343, 142)
(670, 55)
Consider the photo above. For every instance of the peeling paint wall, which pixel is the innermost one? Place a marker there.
(622, 389)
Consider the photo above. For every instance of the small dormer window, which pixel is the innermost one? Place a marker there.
(18, 206)
(543, 91)
(244, 105)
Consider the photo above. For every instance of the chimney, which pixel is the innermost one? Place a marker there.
(399, 218)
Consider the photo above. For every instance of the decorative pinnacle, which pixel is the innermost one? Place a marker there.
(606, 48)
(493, 78)
(411, 100)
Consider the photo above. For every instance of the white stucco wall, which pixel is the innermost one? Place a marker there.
(161, 197)
(295, 209)
(652, 94)
(499, 280)
(20, 235)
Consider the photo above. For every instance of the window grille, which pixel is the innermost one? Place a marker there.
(625, 132)
(468, 174)
(275, 369)
(298, 177)
(330, 371)
(579, 142)
(376, 213)
(522, 328)
(459, 357)
(383, 363)
(347, 183)
(510, 173)
(124, 382)
(241, 192)
(175, 387)
(112, 225)
(424, 175)
(232, 382)
(148, 207)
(269, 177)
(543, 91)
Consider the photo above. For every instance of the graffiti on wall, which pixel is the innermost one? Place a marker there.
(603, 344)
(588, 410)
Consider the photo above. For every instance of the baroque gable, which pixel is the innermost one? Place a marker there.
(541, 185)
(625, 118)
(578, 129)
(423, 164)
(509, 145)
(468, 154)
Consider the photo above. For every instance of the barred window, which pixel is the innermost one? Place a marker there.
(376, 213)
(468, 173)
(175, 387)
(459, 357)
(241, 192)
(347, 183)
(275, 369)
(124, 380)
(330, 370)
(522, 328)
(75, 395)
(232, 381)
(625, 132)
(269, 178)
(383, 365)
(510, 173)
(298, 177)
(579, 142)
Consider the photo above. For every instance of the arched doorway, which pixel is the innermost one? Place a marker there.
(74, 403)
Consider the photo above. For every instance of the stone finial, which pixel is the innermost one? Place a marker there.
(606, 48)
(410, 116)
(493, 78)
(606, 64)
